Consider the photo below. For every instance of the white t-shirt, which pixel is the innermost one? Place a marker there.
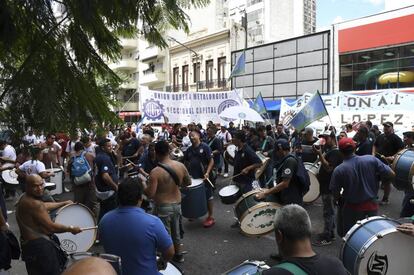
(9, 152)
(30, 139)
(91, 149)
(70, 147)
(32, 167)
(224, 137)
(39, 139)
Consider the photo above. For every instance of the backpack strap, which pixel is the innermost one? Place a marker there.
(87, 162)
(171, 172)
(292, 268)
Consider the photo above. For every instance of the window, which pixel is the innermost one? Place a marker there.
(196, 72)
(209, 73)
(378, 69)
(221, 77)
(175, 79)
(184, 78)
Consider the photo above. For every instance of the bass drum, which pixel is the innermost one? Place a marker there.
(171, 269)
(314, 191)
(403, 166)
(247, 268)
(230, 194)
(194, 201)
(255, 217)
(374, 246)
(230, 153)
(75, 214)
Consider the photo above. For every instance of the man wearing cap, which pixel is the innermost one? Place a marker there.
(387, 145)
(357, 176)
(407, 207)
(330, 159)
(285, 187)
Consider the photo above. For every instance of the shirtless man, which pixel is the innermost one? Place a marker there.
(39, 252)
(165, 192)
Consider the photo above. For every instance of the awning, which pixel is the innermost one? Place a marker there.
(124, 114)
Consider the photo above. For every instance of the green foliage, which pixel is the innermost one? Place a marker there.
(52, 68)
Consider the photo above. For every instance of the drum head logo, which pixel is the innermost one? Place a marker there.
(287, 171)
(68, 245)
(153, 110)
(377, 264)
(224, 105)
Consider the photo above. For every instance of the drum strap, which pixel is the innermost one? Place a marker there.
(292, 268)
(171, 172)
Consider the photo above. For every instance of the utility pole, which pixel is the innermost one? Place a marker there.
(244, 25)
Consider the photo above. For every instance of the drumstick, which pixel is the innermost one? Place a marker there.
(233, 176)
(130, 162)
(210, 182)
(89, 228)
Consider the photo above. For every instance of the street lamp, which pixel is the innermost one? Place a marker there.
(196, 55)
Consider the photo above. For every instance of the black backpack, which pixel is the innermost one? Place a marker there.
(301, 174)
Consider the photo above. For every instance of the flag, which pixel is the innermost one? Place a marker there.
(259, 105)
(140, 122)
(238, 69)
(312, 111)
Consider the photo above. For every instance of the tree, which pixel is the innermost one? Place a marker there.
(53, 72)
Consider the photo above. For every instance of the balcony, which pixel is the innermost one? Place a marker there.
(129, 85)
(124, 64)
(152, 77)
(128, 44)
(150, 52)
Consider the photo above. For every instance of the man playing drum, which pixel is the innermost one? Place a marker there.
(40, 248)
(330, 159)
(166, 194)
(200, 164)
(358, 177)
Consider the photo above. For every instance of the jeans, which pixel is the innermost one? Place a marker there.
(328, 215)
(170, 215)
(107, 205)
(350, 217)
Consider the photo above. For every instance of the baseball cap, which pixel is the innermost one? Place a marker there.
(346, 143)
(388, 124)
(283, 144)
(409, 133)
(327, 133)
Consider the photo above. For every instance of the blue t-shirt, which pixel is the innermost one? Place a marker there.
(146, 163)
(359, 177)
(135, 236)
(105, 164)
(197, 159)
(131, 148)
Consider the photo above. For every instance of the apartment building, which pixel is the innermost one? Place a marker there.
(270, 20)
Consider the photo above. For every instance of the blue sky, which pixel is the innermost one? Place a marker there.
(330, 11)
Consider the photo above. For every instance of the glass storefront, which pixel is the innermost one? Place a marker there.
(377, 69)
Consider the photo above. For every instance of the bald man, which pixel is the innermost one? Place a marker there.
(40, 248)
(90, 266)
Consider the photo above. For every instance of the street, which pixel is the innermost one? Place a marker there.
(220, 248)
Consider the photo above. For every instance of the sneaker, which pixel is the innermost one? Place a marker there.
(209, 222)
(178, 258)
(322, 240)
(226, 175)
(384, 202)
(236, 224)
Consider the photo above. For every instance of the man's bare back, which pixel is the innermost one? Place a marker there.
(162, 187)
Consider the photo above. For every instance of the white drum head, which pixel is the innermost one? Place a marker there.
(49, 184)
(10, 176)
(391, 254)
(229, 190)
(196, 182)
(259, 219)
(76, 215)
(171, 270)
(54, 170)
(314, 191)
(231, 150)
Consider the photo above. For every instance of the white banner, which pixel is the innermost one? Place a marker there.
(186, 107)
(346, 107)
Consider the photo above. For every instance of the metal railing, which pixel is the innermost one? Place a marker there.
(215, 84)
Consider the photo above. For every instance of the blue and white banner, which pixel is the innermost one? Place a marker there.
(186, 107)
